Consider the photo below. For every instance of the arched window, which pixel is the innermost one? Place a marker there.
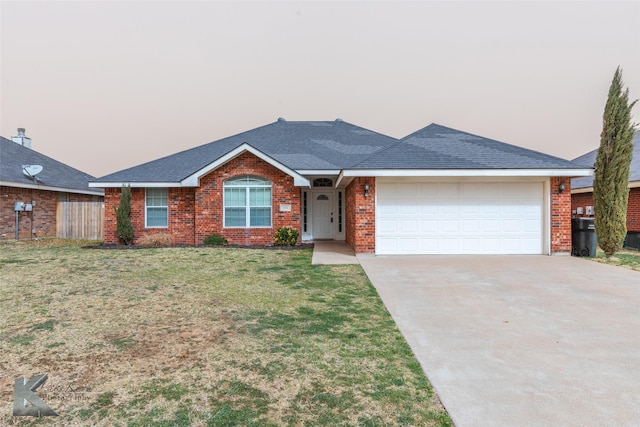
(322, 182)
(247, 202)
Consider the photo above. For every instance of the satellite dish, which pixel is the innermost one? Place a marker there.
(31, 170)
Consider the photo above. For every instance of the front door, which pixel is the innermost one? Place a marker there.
(323, 215)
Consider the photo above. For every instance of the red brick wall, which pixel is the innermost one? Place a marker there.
(209, 202)
(360, 221)
(195, 213)
(41, 221)
(633, 208)
(560, 215)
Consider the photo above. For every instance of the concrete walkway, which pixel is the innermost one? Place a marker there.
(332, 252)
(520, 340)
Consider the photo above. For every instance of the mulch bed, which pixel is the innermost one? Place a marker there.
(132, 247)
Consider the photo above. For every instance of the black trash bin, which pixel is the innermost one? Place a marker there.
(584, 237)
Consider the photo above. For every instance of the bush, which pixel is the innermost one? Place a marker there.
(124, 227)
(215, 240)
(155, 240)
(286, 236)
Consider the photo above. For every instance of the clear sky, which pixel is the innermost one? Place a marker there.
(102, 86)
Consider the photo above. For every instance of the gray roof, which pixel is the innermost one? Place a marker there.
(440, 147)
(338, 145)
(333, 145)
(54, 173)
(589, 159)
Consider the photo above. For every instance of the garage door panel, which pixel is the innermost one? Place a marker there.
(388, 227)
(452, 218)
(429, 226)
(409, 226)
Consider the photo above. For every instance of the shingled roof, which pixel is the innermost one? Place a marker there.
(55, 175)
(337, 146)
(440, 147)
(327, 145)
(589, 159)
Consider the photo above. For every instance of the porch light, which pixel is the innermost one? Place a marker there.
(561, 187)
(366, 189)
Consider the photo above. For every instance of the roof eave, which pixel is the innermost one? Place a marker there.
(52, 188)
(193, 180)
(465, 172)
(632, 184)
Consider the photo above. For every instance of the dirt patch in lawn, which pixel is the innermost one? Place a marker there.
(201, 336)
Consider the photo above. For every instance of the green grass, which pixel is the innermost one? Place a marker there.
(204, 336)
(627, 259)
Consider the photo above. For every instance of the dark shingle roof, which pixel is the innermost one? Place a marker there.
(54, 173)
(331, 145)
(440, 147)
(338, 145)
(589, 159)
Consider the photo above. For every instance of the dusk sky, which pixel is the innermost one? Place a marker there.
(102, 86)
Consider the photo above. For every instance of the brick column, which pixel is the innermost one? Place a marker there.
(360, 215)
(560, 215)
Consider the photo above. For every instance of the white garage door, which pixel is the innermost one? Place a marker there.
(459, 218)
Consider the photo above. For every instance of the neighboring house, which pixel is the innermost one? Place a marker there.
(438, 190)
(582, 189)
(32, 194)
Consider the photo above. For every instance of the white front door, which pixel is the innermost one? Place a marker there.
(322, 215)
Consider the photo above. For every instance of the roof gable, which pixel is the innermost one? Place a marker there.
(440, 147)
(297, 146)
(194, 179)
(55, 175)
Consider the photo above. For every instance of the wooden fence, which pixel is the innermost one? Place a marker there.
(80, 220)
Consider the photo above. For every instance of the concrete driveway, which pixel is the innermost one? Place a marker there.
(520, 340)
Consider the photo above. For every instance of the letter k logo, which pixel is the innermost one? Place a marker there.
(25, 401)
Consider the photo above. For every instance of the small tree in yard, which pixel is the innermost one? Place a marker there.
(610, 185)
(124, 227)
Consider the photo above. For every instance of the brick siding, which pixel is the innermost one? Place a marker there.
(195, 213)
(580, 200)
(41, 221)
(560, 215)
(360, 221)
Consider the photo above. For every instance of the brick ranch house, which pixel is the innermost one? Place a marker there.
(436, 191)
(582, 190)
(37, 194)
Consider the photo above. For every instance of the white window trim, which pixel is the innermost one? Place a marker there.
(247, 205)
(146, 207)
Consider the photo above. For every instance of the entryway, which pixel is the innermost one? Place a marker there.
(322, 215)
(332, 252)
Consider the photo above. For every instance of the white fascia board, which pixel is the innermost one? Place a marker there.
(193, 180)
(465, 172)
(582, 190)
(632, 184)
(135, 184)
(323, 172)
(51, 188)
(339, 179)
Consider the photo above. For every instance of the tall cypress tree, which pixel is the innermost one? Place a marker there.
(124, 227)
(611, 181)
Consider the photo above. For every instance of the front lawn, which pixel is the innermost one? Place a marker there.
(624, 258)
(203, 337)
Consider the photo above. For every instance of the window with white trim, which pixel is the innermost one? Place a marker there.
(247, 202)
(156, 208)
